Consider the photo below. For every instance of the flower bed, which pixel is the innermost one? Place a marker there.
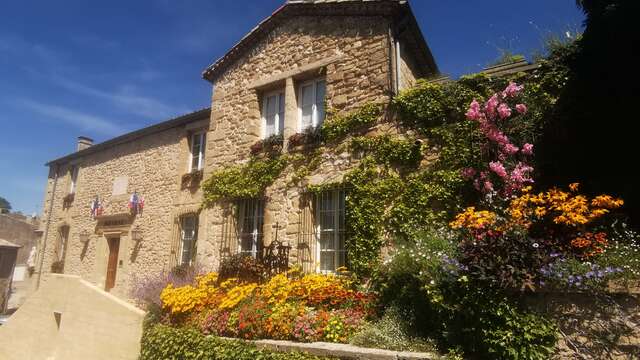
(312, 307)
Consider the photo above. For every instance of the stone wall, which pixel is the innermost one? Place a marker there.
(153, 166)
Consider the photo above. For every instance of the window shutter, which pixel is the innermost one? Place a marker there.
(306, 233)
(229, 236)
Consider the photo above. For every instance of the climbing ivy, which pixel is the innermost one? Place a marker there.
(338, 126)
(388, 150)
(242, 181)
(392, 193)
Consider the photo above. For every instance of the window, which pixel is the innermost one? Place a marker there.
(311, 100)
(197, 151)
(188, 238)
(273, 114)
(61, 246)
(330, 230)
(74, 179)
(250, 221)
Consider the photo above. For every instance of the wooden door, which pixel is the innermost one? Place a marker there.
(112, 265)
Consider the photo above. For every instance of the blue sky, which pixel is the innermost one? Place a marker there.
(103, 68)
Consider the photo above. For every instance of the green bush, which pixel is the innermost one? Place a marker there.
(161, 342)
(392, 332)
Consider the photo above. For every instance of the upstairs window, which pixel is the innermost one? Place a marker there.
(197, 151)
(74, 179)
(250, 222)
(273, 114)
(311, 99)
(61, 244)
(188, 238)
(330, 230)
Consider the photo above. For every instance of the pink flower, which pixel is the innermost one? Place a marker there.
(474, 111)
(510, 149)
(491, 106)
(488, 186)
(512, 90)
(521, 108)
(504, 111)
(498, 168)
(468, 173)
(527, 149)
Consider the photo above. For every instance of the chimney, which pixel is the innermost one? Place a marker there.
(84, 142)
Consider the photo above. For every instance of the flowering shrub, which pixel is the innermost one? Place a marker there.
(308, 308)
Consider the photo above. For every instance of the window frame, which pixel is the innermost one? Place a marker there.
(263, 114)
(192, 241)
(338, 197)
(202, 136)
(73, 179)
(63, 239)
(315, 121)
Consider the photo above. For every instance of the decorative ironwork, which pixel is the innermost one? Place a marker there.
(276, 256)
(136, 234)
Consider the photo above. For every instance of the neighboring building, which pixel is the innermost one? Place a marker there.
(20, 230)
(276, 80)
(8, 255)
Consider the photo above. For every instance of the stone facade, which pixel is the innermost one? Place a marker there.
(350, 45)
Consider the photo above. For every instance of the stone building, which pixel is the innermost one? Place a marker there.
(306, 57)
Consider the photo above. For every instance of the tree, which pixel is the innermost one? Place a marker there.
(591, 137)
(4, 204)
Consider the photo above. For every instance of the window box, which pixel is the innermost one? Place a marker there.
(310, 137)
(68, 200)
(270, 145)
(57, 267)
(192, 179)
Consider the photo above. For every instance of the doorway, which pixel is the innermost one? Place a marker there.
(112, 265)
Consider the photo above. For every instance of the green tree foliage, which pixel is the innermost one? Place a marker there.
(591, 135)
(4, 204)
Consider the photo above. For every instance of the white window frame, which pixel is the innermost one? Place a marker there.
(192, 241)
(75, 169)
(340, 230)
(315, 119)
(256, 226)
(263, 114)
(202, 136)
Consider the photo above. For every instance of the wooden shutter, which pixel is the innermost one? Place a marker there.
(306, 246)
(229, 235)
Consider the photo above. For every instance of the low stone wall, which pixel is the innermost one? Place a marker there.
(68, 318)
(593, 326)
(342, 351)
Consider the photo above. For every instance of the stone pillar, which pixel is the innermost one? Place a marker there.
(290, 111)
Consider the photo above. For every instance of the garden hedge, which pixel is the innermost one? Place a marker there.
(160, 342)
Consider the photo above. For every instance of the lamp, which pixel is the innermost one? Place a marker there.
(84, 236)
(136, 234)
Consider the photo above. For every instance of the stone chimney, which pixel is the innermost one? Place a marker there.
(84, 142)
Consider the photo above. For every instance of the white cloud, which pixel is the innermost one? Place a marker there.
(84, 121)
(126, 99)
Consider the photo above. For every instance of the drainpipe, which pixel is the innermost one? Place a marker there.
(46, 227)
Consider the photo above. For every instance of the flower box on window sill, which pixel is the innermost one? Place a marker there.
(192, 179)
(270, 145)
(68, 200)
(305, 140)
(57, 267)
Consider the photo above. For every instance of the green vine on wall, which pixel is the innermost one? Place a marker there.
(338, 126)
(392, 194)
(242, 181)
